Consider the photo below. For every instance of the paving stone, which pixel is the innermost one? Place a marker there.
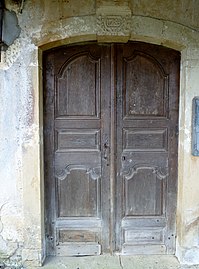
(150, 262)
(100, 262)
(115, 262)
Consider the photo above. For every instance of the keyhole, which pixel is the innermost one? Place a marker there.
(105, 145)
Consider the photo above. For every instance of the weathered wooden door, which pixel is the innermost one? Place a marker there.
(110, 143)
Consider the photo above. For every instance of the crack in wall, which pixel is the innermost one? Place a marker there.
(120, 260)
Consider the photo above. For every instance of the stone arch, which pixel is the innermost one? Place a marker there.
(135, 28)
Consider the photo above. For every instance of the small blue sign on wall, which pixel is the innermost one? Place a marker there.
(195, 129)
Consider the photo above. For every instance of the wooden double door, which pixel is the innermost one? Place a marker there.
(110, 143)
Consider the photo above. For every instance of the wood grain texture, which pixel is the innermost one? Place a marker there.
(76, 130)
(147, 115)
(110, 120)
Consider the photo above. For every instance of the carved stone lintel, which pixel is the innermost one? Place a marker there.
(114, 22)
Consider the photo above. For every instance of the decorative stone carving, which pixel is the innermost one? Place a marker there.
(113, 25)
(113, 21)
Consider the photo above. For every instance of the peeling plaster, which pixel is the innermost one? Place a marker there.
(10, 56)
(191, 256)
(9, 250)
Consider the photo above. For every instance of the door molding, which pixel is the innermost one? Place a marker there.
(94, 172)
(128, 172)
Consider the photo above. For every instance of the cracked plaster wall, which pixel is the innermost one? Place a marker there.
(48, 23)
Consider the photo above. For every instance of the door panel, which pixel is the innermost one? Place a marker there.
(144, 75)
(77, 127)
(110, 117)
(143, 193)
(147, 104)
(73, 78)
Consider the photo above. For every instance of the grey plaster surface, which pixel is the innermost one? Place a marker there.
(116, 262)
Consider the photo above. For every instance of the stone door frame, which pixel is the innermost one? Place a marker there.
(116, 28)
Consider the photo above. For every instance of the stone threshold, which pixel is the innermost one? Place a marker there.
(115, 262)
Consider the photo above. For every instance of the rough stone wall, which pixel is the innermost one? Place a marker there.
(49, 23)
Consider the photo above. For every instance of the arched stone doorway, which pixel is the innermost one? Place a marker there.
(149, 30)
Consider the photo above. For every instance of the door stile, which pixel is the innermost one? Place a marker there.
(119, 185)
(173, 153)
(106, 145)
(112, 148)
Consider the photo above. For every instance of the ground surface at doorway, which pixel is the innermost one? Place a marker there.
(115, 262)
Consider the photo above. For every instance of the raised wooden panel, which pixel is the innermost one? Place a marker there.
(77, 236)
(145, 89)
(143, 236)
(77, 93)
(76, 223)
(78, 140)
(135, 139)
(128, 249)
(145, 223)
(143, 193)
(78, 249)
(78, 195)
